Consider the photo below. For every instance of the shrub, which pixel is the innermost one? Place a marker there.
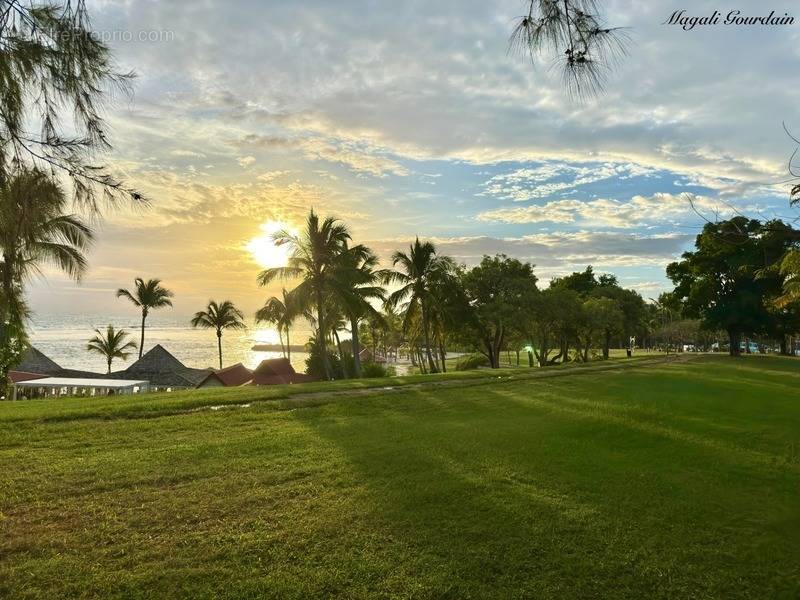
(314, 362)
(471, 362)
(373, 369)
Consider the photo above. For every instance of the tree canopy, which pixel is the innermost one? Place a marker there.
(730, 281)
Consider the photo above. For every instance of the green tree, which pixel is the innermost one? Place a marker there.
(51, 65)
(417, 268)
(728, 281)
(633, 310)
(146, 295)
(551, 312)
(499, 292)
(599, 315)
(280, 313)
(449, 308)
(219, 317)
(633, 307)
(356, 286)
(35, 230)
(315, 259)
(789, 267)
(111, 344)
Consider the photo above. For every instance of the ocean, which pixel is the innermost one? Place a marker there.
(64, 337)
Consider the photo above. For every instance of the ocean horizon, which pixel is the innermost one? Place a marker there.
(63, 338)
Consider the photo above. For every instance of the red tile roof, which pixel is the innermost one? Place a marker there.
(277, 371)
(18, 376)
(234, 375)
(274, 366)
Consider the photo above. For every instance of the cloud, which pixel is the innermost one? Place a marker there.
(187, 153)
(560, 252)
(539, 182)
(454, 93)
(356, 103)
(359, 157)
(636, 212)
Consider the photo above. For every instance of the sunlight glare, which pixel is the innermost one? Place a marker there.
(263, 248)
(265, 336)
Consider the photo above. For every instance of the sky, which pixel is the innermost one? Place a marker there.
(411, 119)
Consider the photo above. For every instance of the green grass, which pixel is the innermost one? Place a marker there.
(663, 479)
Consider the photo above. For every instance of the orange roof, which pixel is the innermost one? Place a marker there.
(234, 375)
(274, 366)
(267, 379)
(18, 376)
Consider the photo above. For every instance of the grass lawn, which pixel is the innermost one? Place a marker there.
(666, 479)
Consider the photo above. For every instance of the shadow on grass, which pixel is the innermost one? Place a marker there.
(510, 491)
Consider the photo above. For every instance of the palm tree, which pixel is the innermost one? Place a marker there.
(147, 295)
(419, 267)
(314, 257)
(281, 314)
(219, 317)
(111, 344)
(35, 230)
(356, 284)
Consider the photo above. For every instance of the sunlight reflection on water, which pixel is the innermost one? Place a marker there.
(64, 338)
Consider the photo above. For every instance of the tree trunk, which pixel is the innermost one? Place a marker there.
(427, 338)
(544, 350)
(497, 344)
(323, 347)
(784, 345)
(219, 347)
(6, 357)
(109, 366)
(141, 342)
(733, 338)
(489, 351)
(341, 354)
(288, 346)
(606, 345)
(356, 347)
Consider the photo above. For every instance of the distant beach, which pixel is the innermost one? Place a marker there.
(63, 338)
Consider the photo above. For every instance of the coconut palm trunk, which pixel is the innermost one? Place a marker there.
(426, 332)
(323, 346)
(280, 338)
(356, 346)
(146, 295)
(219, 346)
(288, 346)
(141, 339)
(341, 353)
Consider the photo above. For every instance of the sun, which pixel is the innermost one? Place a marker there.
(263, 249)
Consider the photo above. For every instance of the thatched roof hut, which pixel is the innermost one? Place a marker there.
(163, 370)
(34, 361)
(36, 365)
